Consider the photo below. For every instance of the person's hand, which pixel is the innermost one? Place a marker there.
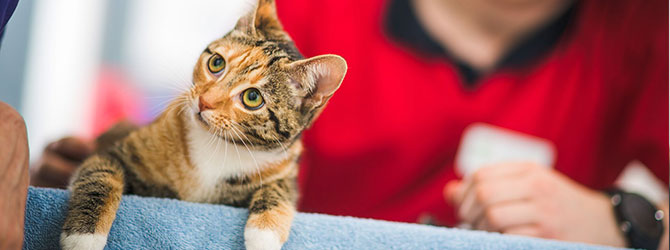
(526, 199)
(13, 177)
(59, 161)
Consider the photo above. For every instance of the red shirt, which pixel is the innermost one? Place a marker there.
(385, 146)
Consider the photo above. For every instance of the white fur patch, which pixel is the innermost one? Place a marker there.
(83, 241)
(215, 159)
(261, 239)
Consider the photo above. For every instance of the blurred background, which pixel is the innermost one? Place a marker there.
(61, 62)
(74, 67)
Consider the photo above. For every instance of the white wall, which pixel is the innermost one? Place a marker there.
(63, 58)
(161, 41)
(166, 37)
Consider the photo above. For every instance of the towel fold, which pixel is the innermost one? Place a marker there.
(156, 223)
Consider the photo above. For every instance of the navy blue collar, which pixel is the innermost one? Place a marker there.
(403, 26)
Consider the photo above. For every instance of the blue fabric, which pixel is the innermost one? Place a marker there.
(154, 223)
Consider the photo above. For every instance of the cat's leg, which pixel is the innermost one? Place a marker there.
(95, 196)
(271, 212)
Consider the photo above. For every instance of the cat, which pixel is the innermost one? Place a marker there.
(234, 138)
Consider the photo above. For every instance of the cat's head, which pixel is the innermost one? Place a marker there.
(253, 85)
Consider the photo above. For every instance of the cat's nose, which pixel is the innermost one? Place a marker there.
(204, 105)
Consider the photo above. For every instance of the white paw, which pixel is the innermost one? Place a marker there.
(83, 241)
(261, 239)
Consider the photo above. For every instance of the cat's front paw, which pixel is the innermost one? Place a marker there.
(261, 239)
(82, 241)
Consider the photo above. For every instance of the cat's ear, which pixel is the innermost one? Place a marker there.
(317, 78)
(262, 19)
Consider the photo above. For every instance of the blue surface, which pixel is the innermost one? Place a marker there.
(154, 223)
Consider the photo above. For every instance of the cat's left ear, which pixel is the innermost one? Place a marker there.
(262, 19)
(317, 78)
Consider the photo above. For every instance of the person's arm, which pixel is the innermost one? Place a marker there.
(58, 162)
(61, 158)
(13, 177)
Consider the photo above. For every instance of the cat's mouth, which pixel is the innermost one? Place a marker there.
(203, 122)
(206, 125)
(201, 119)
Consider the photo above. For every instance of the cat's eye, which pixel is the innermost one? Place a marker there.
(216, 64)
(252, 99)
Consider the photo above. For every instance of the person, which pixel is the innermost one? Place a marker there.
(13, 161)
(585, 80)
(13, 177)
(589, 78)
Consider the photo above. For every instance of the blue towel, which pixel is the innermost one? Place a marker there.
(155, 223)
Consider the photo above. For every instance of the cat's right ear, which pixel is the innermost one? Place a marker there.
(246, 23)
(262, 19)
(317, 78)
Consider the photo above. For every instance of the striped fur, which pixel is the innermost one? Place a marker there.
(207, 146)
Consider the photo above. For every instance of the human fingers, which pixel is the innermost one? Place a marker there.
(452, 192)
(530, 230)
(496, 172)
(492, 193)
(73, 148)
(53, 170)
(499, 217)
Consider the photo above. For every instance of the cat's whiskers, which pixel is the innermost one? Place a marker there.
(234, 123)
(177, 88)
(239, 125)
(160, 106)
(175, 94)
(157, 108)
(235, 130)
(217, 138)
(274, 138)
(225, 139)
(184, 107)
(239, 158)
(281, 145)
(183, 102)
(168, 96)
(213, 137)
(210, 143)
(179, 79)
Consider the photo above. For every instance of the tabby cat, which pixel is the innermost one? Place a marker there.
(233, 138)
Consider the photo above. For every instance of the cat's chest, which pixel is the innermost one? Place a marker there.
(215, 162)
